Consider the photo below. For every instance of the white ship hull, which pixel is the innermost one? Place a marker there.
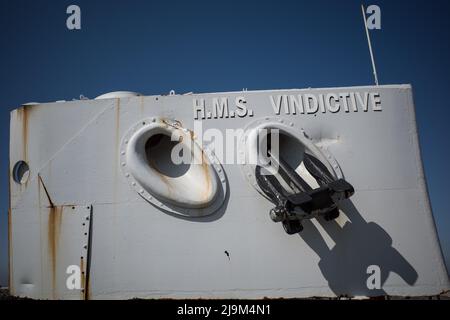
(79, 207)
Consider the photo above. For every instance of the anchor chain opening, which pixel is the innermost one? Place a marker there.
(294, 198)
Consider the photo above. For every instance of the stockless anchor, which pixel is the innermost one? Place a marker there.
(294, 199)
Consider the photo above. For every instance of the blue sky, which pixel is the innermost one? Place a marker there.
(208, 46)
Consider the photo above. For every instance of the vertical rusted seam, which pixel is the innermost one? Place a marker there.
(25, 133)
(88, 258)
(53, 229)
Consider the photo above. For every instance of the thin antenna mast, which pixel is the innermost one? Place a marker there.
(370, 45)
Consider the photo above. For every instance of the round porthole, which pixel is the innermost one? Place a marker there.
(21, 172)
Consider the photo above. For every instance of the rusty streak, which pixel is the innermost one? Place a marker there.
(54, 228)
(53, 233)
(23, 114)
(87, 283)
(83, 278)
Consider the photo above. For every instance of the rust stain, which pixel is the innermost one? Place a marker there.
(88, 292)
(171, 123)
(204, 167)
(53, 232)
(193, 136)
(54, 229)
(204, 163)
(23, 115)
(83, 278)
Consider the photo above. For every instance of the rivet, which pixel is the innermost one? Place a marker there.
(122, 153)
(123, 164)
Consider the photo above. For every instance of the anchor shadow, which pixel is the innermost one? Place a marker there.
(358, 245)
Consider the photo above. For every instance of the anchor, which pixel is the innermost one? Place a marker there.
(305, 203)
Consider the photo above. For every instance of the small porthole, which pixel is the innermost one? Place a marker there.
(21, 172)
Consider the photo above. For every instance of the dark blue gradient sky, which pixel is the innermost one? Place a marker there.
(208, 46)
